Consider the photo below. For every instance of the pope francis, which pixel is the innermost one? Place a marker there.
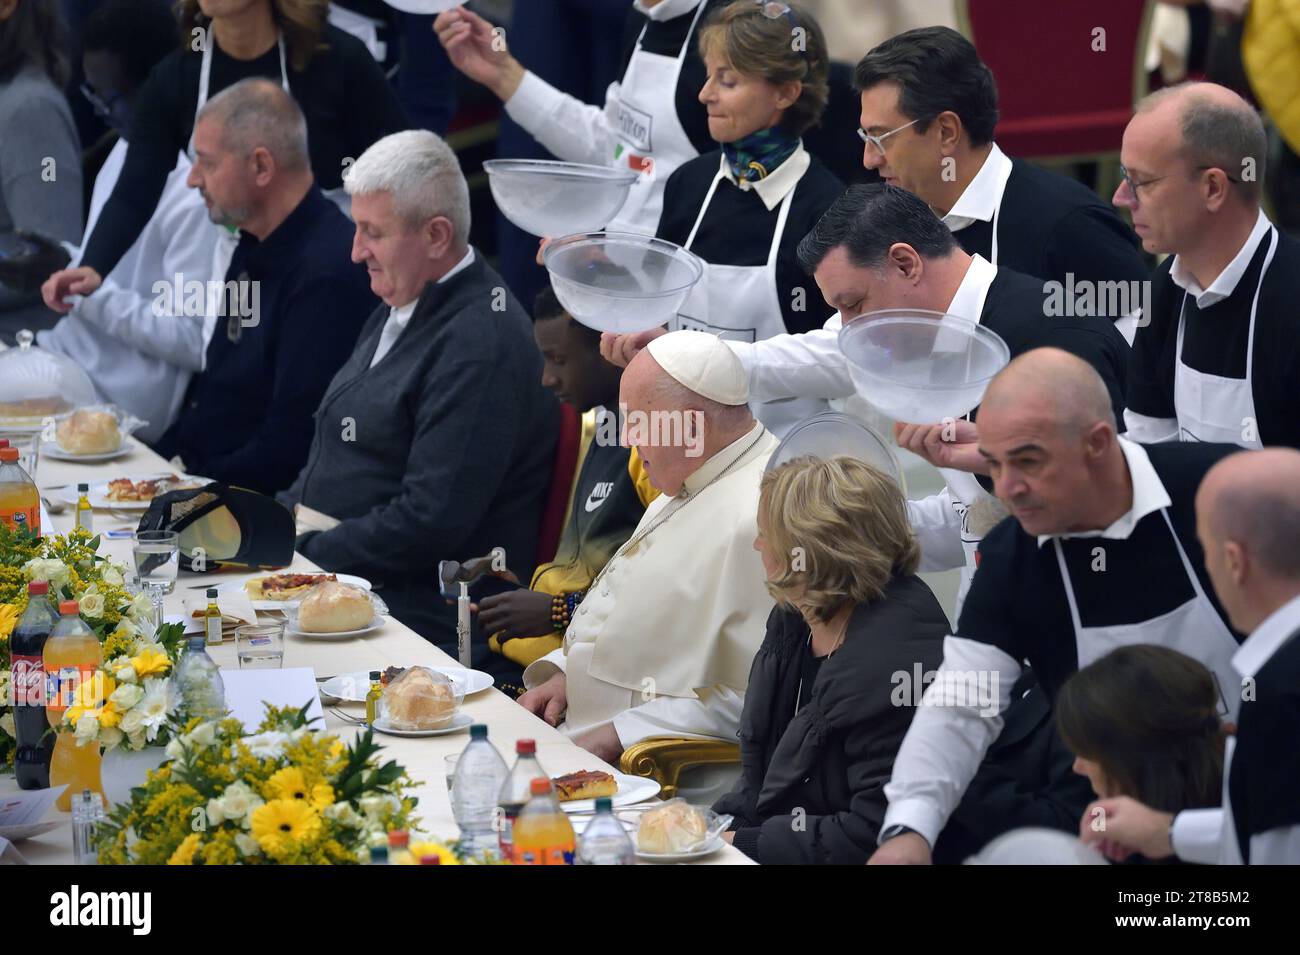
(661, 645)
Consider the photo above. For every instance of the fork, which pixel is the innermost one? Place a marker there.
(348, 717)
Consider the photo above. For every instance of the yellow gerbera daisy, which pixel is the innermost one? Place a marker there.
(288, 783)
(322, 796)
(8, 619)
(184, 854)
(445, 856)
(281, 824)
(149, 663)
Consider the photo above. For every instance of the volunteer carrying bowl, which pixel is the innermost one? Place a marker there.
(919, 366)
(621, 282)
(547, 198)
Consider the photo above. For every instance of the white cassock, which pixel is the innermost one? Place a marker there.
(663, 642)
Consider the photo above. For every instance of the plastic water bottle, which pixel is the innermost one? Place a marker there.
(198, 680)
(480, 774)
(517, 791)
(605, 841)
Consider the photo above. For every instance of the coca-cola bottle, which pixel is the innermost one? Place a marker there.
(27, 645)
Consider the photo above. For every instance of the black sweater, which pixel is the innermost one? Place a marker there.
(1049, 226)
(343, 93)
(449, 452)
(738, 228)
(811, 788)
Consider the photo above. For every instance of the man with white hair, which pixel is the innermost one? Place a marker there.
(662, 643)
(435, 440)
(291, 303)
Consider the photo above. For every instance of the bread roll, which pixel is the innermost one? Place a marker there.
(89, 432)
(332, 607)
(419, 699)
(676, 826)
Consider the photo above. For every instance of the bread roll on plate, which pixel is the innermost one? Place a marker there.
(332, 607)
(89, 432)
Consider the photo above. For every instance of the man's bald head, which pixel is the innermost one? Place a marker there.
(1218, 129)
(1053, 385)
(1253, 498)
(256, 113)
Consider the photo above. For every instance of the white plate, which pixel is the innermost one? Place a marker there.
(706, 848)
(237, 587)
(291, 628)
(631, 790)
(352, 687)
(98, 493)
(458, 723)
(53, 451)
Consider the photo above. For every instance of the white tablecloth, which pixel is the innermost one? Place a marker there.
(392, 645)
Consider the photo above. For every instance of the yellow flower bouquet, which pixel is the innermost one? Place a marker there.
(76, 571)
(130, 702)
(284, 794)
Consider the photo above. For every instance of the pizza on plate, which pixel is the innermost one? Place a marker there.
(124, 489)
(284, 586)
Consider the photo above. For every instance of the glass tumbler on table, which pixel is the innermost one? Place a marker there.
(28, 444)
(260, 646)
(157, 560)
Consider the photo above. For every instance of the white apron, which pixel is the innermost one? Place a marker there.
(649, 138)
(1211, 407)
(1195, 629)
(337, 195)
(742, 303)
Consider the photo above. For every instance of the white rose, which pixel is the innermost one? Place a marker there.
(203, 735)
(112, 575)
(111, 737)
(55, 571)
(344, 814)
(215, 816)
(7, 726)
(92, 603)
(136, 740)
(140, 610)
(126, 696)
(174, 750)
(132, 721)
(87, 730)
(238, 801)
(246, 844)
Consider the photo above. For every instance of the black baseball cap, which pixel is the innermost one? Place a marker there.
(222, 524)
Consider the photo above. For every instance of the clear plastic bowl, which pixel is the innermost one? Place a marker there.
(621, 282)
(36, 384)
(832, 434)
(921, 367)
(549, 198)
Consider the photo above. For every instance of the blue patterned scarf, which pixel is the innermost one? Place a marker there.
(757, 155)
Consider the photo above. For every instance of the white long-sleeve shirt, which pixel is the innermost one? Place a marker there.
(138, 352)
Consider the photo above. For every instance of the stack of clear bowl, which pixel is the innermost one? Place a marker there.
(620, 282)
(549, 198)
(919, 366)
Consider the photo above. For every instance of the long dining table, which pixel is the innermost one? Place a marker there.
(393, 644)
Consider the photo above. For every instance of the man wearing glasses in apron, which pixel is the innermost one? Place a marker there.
(1219, 360)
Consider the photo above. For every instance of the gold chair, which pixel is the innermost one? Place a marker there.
(663, 759)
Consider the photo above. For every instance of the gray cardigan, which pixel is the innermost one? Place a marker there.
(443, 450)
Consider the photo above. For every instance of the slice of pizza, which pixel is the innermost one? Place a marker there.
(584, 784)
(284, 586)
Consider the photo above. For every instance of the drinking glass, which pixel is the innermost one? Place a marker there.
(260, 646)
(157, 559)
(28, 444)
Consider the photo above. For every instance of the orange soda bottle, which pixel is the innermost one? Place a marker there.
(542, 832)
(72, 657)
(20, 501)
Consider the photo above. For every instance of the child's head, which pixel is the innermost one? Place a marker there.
(573, 368)
(1143, 722)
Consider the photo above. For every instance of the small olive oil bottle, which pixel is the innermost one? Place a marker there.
(85, 514)
(372, 698)
(212, 619)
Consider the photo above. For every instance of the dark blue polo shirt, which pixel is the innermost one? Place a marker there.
(247, 419)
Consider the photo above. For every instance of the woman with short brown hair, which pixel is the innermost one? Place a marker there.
(831, 691)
